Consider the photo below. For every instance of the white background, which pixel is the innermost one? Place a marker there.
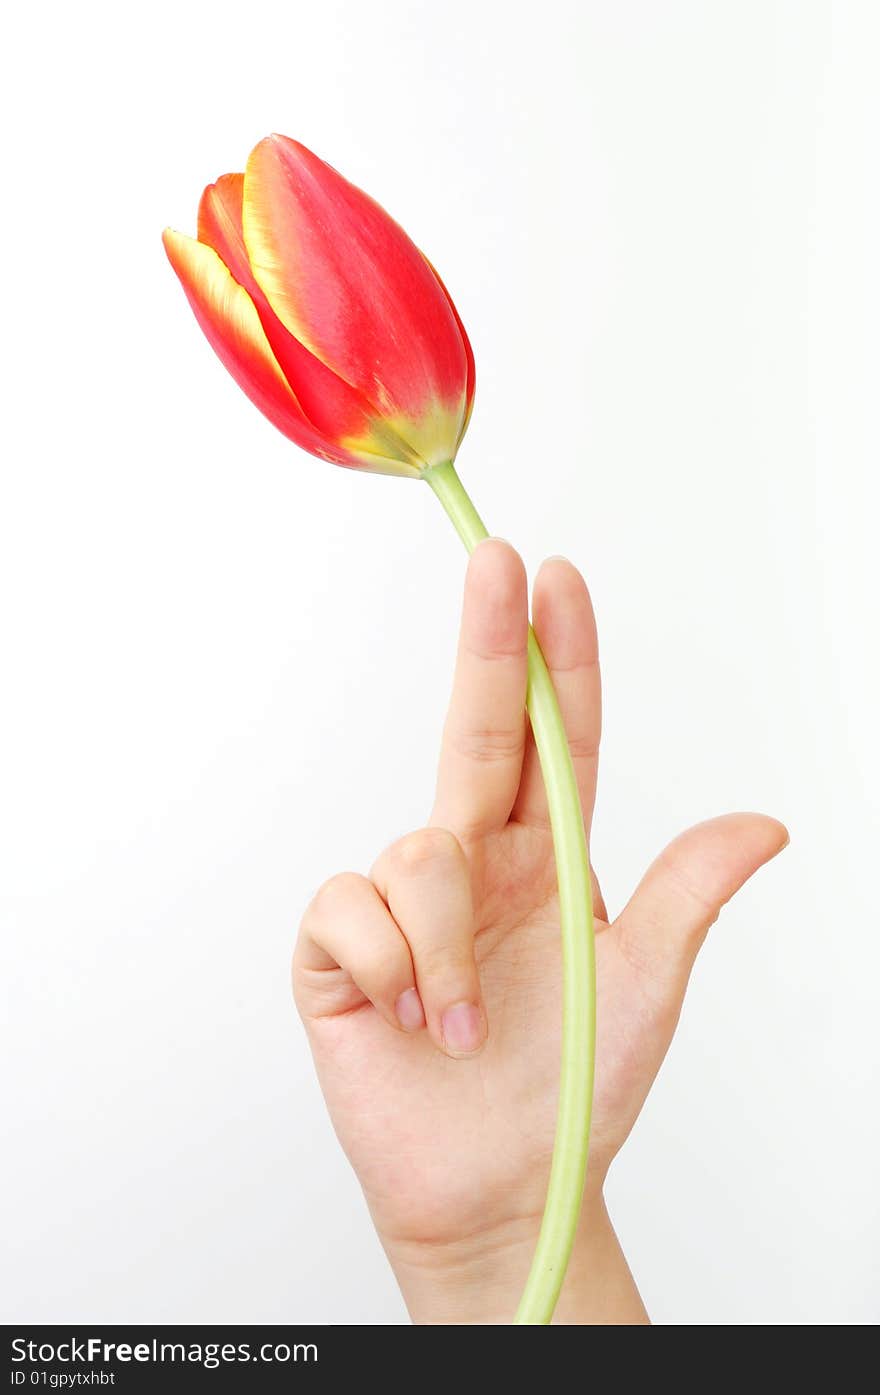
(226, 663)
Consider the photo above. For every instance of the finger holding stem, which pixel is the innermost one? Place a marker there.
(484, 737)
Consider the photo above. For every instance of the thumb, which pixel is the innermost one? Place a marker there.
(664, 924)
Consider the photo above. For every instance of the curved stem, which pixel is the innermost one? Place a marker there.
(569, 1164)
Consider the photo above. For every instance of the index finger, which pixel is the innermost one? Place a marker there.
(484, 736)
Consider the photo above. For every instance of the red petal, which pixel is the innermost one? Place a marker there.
(227, 315)
(335, 408)
(219, 226)
(232, 326)
(468, 352)
(346, 281)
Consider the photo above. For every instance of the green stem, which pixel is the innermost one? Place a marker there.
(569, 1164)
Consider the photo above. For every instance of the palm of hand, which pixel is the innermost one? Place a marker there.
(449, 1148)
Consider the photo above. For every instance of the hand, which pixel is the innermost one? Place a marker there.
(431, 990)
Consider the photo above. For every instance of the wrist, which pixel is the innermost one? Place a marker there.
(479, 1279)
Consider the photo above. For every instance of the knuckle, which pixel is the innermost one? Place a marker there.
(488, 745)
(499, 652)
(331, 897)
(299, 981)
(583, 747)
(706, 908)
(425, 848)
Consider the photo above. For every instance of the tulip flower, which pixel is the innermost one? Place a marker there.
(295, 279)
(341, 332)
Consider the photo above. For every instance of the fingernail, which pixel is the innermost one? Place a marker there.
(463, 1029)
(409, 1011)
